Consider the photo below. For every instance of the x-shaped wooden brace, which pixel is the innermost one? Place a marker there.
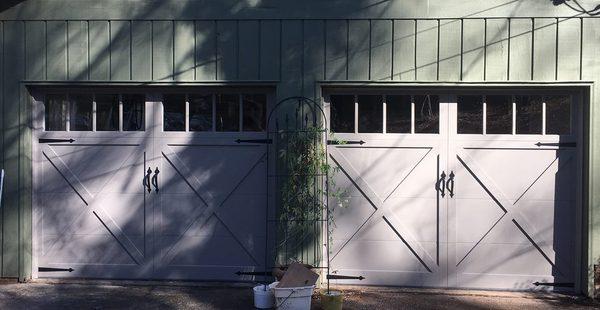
(93, 205)
(201, 216)
(382, 210)
(511, 212)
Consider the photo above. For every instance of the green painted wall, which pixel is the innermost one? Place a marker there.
(296, 43)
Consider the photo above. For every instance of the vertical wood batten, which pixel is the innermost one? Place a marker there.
(248, 51)
(99, 50)
(426, 50)
(269, 47)
(404, 50)
(544, 53)
(449, 59)
(227, 54)
(57, 50)
(14, 67)
(496, 51)
(2, 137)
(119, 50)
(77, 50)
(291, 44)
(141, 50)
(381, 49)
(35, 50)
(162, 50)
(568, 49)
(314, 45)
(205, 50)
(520, 50)
(358, 50)
(335, 50)
(184, 51)
(473, 49)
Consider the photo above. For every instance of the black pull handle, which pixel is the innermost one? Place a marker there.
(155, 179)
(441, 184)
(450, 184)
(147, 180)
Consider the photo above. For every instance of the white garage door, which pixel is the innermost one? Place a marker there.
(473, 190)
(150, 187)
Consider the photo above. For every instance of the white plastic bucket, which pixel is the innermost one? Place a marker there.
(263, 296)
(293, 298)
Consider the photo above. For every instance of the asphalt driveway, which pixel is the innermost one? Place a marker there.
(125, 295)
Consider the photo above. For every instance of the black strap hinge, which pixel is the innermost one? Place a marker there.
(561, 144)
(260, 141)
(340, 277)
(50, 269)
(555, 284)
(340, 142)
(55, 140)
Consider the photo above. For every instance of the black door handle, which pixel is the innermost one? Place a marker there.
(147, 180)
(450, 184)
(441, 184)
(155, 179)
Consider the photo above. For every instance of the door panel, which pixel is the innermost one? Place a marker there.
(210, 217)
(93, 209)
(388, 232)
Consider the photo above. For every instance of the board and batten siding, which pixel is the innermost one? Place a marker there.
(295, 54)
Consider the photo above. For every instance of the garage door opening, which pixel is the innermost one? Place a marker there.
(473, 189)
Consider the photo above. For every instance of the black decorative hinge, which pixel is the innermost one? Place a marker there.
(340, 277)
(341, 142)
(50, 269)
(261, 141)
(254, 273)
(55, 140)
(555, 284)
(564, 144)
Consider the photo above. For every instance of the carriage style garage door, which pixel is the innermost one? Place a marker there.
(473, 190)
(151, 186)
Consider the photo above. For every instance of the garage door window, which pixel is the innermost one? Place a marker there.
(94, 112)
(514, 114)
(385, 113)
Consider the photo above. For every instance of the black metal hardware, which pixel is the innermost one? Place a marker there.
(340, 277)
(55, 140)
(338, 142)
(450, 184)
(147, 180)
(50, 269)
(254, 273)
(555, 284)
(441, 184)
(155, 179)
(261, 141)
(564, 144)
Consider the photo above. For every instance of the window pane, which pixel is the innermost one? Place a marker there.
(370, 113)
(498, 114)
(342, 113)
(427, 114)
(558, 115)
(107, 112)
(200, 112)
(255, 112)
(228, 113)
(470, 114)
(398, 114)
(529, 114)
(174, 112)
(81, 112)
(55, 113)
(133, 112)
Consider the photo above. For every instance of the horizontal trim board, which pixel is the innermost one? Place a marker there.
(297, 18)
(344, 83)
(148, 83)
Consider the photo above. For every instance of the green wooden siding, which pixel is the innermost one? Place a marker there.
(297, 53)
